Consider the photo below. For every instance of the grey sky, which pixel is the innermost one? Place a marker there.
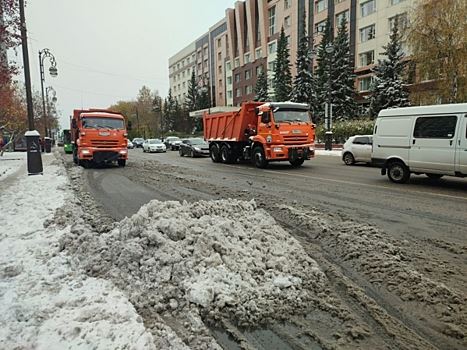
(107, 49)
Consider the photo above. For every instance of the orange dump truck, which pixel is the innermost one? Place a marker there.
(98, 136)
(261, 132)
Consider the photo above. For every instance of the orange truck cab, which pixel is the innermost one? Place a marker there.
(261, 132)
(98, 136)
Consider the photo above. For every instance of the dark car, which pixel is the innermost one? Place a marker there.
(138, 142)
(172, 142)
(194, 147)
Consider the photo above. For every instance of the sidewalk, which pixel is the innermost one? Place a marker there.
(45, 303)
(334, 152)
(11, 162)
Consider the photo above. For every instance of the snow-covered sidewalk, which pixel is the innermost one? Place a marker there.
(11, 162)
(334, 152)
(44, 302)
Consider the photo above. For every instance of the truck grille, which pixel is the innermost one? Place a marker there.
(104, 143)
(295, 140)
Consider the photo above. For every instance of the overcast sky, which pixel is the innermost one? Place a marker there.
(106, 50)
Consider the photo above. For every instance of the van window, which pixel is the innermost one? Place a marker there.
(435, 127)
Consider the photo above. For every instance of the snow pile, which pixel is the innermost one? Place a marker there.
(44, 303)
(10, 162)
(217, 259)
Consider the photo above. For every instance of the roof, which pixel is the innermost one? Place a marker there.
(101, 115)
(426, 110)
(286, 105)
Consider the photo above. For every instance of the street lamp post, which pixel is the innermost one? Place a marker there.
(328, 105)
(43, 54)
(48, 90)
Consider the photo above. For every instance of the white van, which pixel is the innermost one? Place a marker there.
(429, 140)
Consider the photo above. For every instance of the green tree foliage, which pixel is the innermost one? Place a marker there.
(303, 89)
(343, 129)
(282, 81)
(387, 89)
(342, 77)
(437, 37)
(323, 83)
(261, 88)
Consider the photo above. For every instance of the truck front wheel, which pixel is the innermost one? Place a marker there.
(122, 163)
(214, 153)
(297, 162)
(259, 158)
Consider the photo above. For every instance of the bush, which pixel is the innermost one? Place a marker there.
(343, 129)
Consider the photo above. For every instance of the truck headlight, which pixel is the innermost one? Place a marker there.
(123, 151)
(269, 139)
(277, 149)
(85, 151)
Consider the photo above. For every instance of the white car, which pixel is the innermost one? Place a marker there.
(154, 145)
(130, 145)
(357, 149)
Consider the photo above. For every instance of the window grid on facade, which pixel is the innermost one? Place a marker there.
(367, 33)
(367, 58)
(272, 47)
(402, 21)
(368, 7)
(321, 5)
(340, 16)
(364, 83)
(287, 4)
(287, 22)
(247, 74)
(319, 27)
(272, 20)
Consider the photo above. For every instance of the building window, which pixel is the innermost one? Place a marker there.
(367, 33)
(319, 27)
(259, 70)
(229, 94)
(220, 69)
(237, 77)
(219, 42)
(272, 47)
(287, 4)
(229, 80)
(237, 62)
(228, 66)
(395, 2)
(206, 63)
(205, 51)
(184, 85)
(220, 83)
(272, 20)
(367, 58)
(402, 21)
(287, 22)
(287, 38)
(364, 84)
(258, 53)
(200, 66)
(249, 89)
(272, 66)
(338, 1)
(246, 58)
(321, 5)
(368, 7)
(247, 74)
(219, 56)
(238, 92)
(341, 16)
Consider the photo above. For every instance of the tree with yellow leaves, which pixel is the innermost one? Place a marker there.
(437, 37)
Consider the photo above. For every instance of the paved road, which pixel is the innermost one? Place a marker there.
(424, 219)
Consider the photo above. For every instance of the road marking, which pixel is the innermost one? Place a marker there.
(354, 183)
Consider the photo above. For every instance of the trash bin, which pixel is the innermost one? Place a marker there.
(48, 144)
(33, 153)
(328, 141)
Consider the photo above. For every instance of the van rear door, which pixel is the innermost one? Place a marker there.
(461, 152)
(433, 144)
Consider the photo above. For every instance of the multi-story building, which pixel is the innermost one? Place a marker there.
(181, 66)
(240, 46)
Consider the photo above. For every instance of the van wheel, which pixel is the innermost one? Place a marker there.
(349, 159)
(259, 159)
(434, 176)
(398, 172)
(214, 153)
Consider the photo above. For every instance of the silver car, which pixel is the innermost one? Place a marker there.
(357, 149)
(154, 145)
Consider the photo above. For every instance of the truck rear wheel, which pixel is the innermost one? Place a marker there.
(259, 159)
(214, 153)
(227, 155)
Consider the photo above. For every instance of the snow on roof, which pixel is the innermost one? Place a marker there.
(434, 109)
(288, 104)
(32, 133)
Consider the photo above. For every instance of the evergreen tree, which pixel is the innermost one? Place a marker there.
(169, 116)
(387, 87)
(303, 86)
(343, 90)
(282, 81)
(191, 101)
(261, 88)
(323, 87)
(204, 98)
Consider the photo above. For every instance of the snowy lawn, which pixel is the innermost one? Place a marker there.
(10, 162)
(44, 303)
(334, 152)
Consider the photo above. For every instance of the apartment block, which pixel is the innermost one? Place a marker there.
(234, 51)
(181, 67)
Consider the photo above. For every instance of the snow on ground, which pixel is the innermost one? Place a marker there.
(44, 303)
(334, 152)
(10, 162)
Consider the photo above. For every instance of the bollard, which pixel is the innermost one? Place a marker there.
(33, 153)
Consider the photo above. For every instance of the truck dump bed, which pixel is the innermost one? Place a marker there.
(230, 126)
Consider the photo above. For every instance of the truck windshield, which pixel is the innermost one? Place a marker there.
(291, 115)
(102, 123)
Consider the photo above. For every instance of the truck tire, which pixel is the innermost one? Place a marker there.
(297, 162)
(227, 155)
(259, 159)
(214, 153)
(122, 163)
(75, 157)
(398, 172)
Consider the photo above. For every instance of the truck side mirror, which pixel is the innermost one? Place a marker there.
(73, 123)
(266, 117)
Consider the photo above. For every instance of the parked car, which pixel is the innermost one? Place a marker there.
(130, 144)
(172, 142)
(194, 147)
(429, 140)
(357, 149)
(138, 142)
(154, 145)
